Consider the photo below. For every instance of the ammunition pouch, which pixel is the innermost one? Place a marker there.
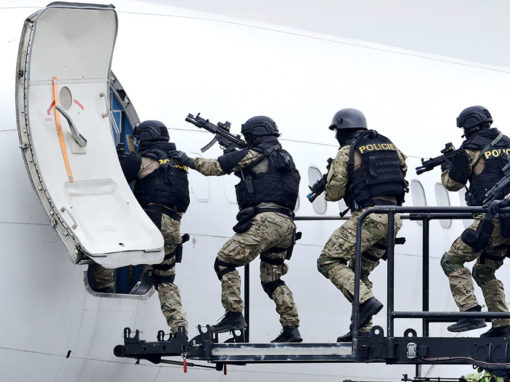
(478, 239)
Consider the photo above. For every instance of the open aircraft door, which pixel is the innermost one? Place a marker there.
(64, 123)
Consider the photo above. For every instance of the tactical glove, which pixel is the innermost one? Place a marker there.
(459, 167)
(182, 159)
(496, 205)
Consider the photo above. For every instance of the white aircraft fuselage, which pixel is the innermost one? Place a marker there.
(173, 62)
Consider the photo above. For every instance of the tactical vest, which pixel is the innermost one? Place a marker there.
(379, 174)
(167, 185)
(495, 160)
(279, 184)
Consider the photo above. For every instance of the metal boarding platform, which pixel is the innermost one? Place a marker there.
(492, 354)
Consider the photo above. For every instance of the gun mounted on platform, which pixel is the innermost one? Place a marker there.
(318, 187)
(223, 136)
(427, 165)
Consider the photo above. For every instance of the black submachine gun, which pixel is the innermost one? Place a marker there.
(427, 165)
(318, 187)
(227, 140)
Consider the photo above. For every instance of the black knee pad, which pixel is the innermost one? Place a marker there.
(229, 267)
(270, 287)
(451, 263)
(483, 275)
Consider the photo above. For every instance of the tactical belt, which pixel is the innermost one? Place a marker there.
(375, 202)
(283, 211)
(170, 211)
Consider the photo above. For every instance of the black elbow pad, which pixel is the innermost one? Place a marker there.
(229, 160)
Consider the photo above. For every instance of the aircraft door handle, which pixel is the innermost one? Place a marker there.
(65, 210)
(80, 139)
(105, 114)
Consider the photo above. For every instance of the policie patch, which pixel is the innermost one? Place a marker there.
(377, 147)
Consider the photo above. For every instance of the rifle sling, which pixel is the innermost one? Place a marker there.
(488, 147)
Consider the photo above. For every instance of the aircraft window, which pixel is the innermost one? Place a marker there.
(319, 205)
(199, 184)
(443, 200)
(418, 196)
(462, 199)
(65, 98)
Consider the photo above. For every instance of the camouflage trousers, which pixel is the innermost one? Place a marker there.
(104, 278)
(336, 261)
(269, 236)
(461, 282)
(168, 292)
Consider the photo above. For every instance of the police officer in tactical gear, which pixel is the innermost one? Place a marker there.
(161, 188)
(267, 195)
(478, 162)
(368, 171)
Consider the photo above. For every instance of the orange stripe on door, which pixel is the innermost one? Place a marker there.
(59, 131)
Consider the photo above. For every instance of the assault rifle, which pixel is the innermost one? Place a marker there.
(318, 187)
(480, 238)
(427, 165)
(501, 188)
(223, 136)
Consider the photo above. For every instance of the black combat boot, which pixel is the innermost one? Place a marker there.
(289, 334)
(366, 310)
(181, 332)
(231, 321)
(465, 324)
(499, 331)
(347, 337)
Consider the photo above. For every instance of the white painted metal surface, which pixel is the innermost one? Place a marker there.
(89, 202)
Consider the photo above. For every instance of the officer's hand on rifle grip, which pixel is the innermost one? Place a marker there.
(181, 158)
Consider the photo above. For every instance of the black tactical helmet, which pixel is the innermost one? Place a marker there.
(474, 116)
(348, 119)
(151, 131)
(260, 126)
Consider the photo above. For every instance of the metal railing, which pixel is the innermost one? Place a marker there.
(425, 214)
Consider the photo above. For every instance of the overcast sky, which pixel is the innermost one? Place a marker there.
(475, 30)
